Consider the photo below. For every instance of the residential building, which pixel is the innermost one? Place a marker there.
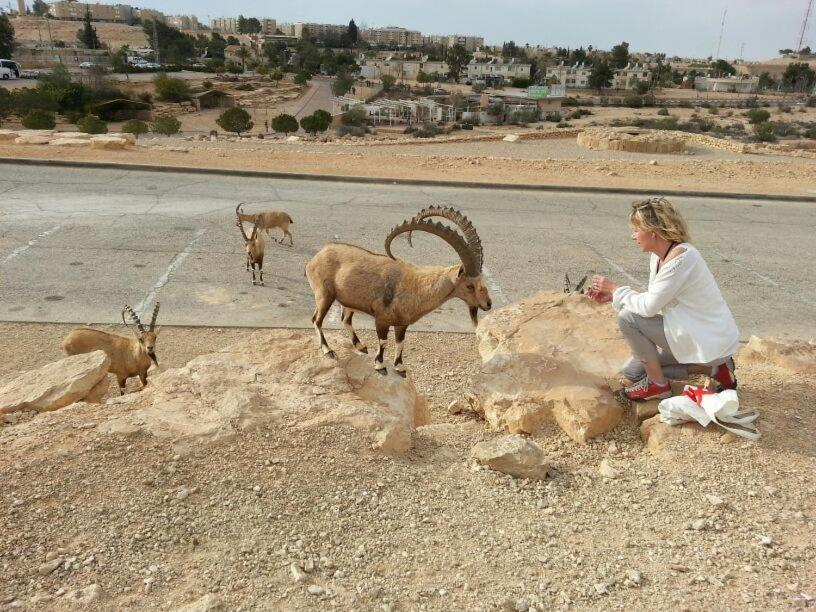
(224, 25)
(150, 15)
(317, 31)
(496, 67)
(576, 75)
(470, 43)
(122, 13)
(392, 37)
(400, 69)
(728, 84)
(184, 22)
(631, 75)
(269, 26)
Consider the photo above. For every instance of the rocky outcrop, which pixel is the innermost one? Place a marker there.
(515, 455)
(109, 142)
(549, 358)
(632, 140)
(68, 139)
(799, 357)
(277, 377)
(57, 384)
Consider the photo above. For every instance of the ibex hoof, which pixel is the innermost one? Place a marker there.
(330, 355)
(381, 371)
(401, 373)
(361, 350)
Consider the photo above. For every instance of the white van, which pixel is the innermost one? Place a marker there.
(9, 69)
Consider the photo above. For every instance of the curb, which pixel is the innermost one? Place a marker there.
(405, 182)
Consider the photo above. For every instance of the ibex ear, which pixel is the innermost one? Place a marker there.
(461, 272)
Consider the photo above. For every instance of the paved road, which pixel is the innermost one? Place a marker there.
(75, 245)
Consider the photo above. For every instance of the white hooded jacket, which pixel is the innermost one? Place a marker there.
(698, 324)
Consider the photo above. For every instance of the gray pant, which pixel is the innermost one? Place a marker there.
(648, 342)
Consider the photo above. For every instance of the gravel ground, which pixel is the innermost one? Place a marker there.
(279, 518)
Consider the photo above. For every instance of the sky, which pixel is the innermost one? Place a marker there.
(675, 27)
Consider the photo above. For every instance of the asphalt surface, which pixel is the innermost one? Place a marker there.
(76, 244)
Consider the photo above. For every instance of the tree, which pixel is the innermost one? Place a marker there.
(766, 81)
(243, 54)
(91, 124)
(235, 120)
(216, 46)
(119, 60)
(343, 84)
(262, 70)
(352, 33)
(422, 77)
(388, 81)
(721, 68)
(284, 123)
(6, 104)
(302, 77)
(231, 40)
(39, 120)
(642, 87)
(458, 57)
(600, 76)
(87, 36)
(805, 51)
(170, 89)
(798, 77)
(6, 36)
(578, 56)
(166, 125)
(248, 26)
(276, 53)
(233, 67)
(319, 121)
(175, 47)
(135, 127)
(620, 55)
(39, 8)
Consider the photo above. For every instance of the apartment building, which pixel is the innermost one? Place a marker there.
(122, 13)
(224, 25)
(470, 43)
(496, 67)
(269, 26)
(628, 77)
(392, 37)
(576, 75)
(184, 22)
(399, 68)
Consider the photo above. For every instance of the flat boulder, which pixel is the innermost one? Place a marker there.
(791, 355)
(515, 455)
(278, 377)
(69, 142)
(550, 357)
(32, 139)
(109, 142)
(55, 385)
(9, 135)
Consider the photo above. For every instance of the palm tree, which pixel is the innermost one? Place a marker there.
(244, 54)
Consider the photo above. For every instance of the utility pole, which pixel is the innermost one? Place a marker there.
(803, 31)
(742, 51)
(722, 29)
(156, 40)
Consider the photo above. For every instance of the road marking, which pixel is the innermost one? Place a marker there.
(494, 286)
(730, 260)
(164, 278)
(30, 244)
(614, 265)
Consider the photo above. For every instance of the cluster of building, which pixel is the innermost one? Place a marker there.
(117, 13)
(577, 75)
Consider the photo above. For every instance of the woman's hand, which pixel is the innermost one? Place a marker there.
(602, 285)
(598, 296)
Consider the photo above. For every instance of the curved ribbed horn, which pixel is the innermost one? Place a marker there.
(450, 236)
(469, 232)
(239, 224)
(155, 315)
(133, 317)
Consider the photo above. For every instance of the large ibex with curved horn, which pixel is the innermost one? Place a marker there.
(395, 292)
(254, 247)
(128, 356)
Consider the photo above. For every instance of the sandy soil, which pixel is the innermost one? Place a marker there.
(716, 525)
(113, 34)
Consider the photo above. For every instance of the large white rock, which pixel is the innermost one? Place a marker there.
(32, 139)
(792, 355)
(274, 377)
(131, 138)
(515, 455)
(550, 357)
(7, 135)
(55, 385)
(69, 142)
(109, 142)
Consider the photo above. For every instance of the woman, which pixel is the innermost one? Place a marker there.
(681, 324)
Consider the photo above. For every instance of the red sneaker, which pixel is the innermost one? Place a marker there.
(724, 376)
(645, 390)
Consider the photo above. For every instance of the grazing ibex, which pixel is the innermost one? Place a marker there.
(254, 248)
(128, 356)
(268, 220)
(397, 293)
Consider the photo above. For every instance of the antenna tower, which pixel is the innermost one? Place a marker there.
(804, 26)
(722, 29)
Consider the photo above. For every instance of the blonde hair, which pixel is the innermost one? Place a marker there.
(659, 216)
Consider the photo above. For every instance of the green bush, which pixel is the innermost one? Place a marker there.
(784, 129)
(427, 130)
(72, 116)
(39, 120)
(784, 108)
(166, 125)
(233, 67)
(705, 125)
(563, 124)
(302, 77)
(521, 83)
(570, 101)
(169, 89)
(810, 133)
(553, 116)
(354, 116)
(758, 115)
(235, 120)
(633, 101)
(91, 124)
(245, 87)
(714, 110)
(284, 123)
(351, 130)
(207, 84)
(319, 121)
(478, 87)
(135, 127)
(663, 111)
(764, 132)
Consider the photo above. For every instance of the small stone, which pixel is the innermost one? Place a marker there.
(698, 525)
(298, 575)
(601, 588)
(765, 541)
(728, 438)
(714, 500)
(316, 590)
(652, 162)
(607, 471)
(49, 566)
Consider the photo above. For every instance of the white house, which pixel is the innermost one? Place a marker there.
(495, 67)
(400, 69)
(576, 76)
(728, 84)
(627, 78)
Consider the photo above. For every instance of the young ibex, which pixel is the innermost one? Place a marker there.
(254, 247)
(397, 293)
(128, 356)
(268, 220)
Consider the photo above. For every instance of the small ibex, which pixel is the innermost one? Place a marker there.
(254, 248)
(268, 220)
(128, 356)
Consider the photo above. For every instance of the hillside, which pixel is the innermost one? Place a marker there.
(33, 29)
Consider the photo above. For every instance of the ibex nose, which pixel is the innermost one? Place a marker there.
(489, 305)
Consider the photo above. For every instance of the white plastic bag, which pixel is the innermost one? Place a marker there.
(706, 407)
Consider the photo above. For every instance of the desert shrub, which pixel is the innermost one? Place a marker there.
(39, 120)
(553, 116)
(633, 101)
(714, 110)
(135, 127)
(169, 89)
(166, 125)
(284, 123)
(704, 104)
(207, 84)
(758, 115)
(427, 130)
(578, 113)
(478, 87)
(663, 111)
(233, 67)
(705, 125)
(737, 127)
(784, 129)
(410, 129)
(72, 116)
(784, 108)
(235, 120)
(351, 130)
(685, 104)
(146, 96)
(563, 124)
(354, 117)
(302, 77)
(245, 87)
(764, 132)
(810, 133)
(91, 124)
(524, 115)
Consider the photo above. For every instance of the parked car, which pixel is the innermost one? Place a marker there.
(86, 65)
(30, 74)
(13, 69)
